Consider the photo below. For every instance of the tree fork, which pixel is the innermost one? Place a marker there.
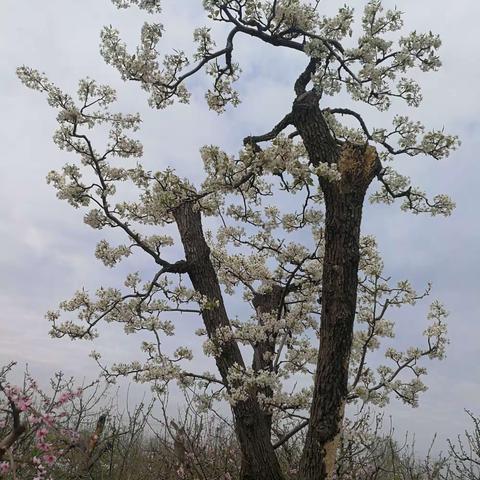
(252, 426)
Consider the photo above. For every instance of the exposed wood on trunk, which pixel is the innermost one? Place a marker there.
(92, 443)
(331, 447)
(251, 424)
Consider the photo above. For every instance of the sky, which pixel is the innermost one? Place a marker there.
(47, 251)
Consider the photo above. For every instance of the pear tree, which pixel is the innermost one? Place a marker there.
(316, 300)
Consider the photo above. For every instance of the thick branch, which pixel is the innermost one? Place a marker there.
(290, 434)
(312, 127)
(270, 302)
(282, 125)
(205, 281)
(304, 79)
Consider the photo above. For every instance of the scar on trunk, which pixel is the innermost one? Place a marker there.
(331, 447)
(358, 164)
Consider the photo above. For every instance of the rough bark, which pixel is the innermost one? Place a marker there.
(251, 424)
(358, 165)
(258, 457)
(312, 127)
(339, 292)
(264, 350)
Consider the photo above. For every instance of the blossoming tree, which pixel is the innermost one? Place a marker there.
(304, 271)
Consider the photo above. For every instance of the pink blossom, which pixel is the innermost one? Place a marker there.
(23, 404)
(49, 459)
(41, 433)
(44, 446)
(33, 419)
(65, 397)
(48, 420)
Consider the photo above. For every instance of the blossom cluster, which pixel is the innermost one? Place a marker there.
(43, 420)
(151, 6)
(402, 376)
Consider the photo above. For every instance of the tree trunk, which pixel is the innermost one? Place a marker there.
(259, 460)
(358, 165)
(339, 294)
(344, 204)
(251, 423)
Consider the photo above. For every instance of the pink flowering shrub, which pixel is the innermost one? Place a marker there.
(36, 428)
